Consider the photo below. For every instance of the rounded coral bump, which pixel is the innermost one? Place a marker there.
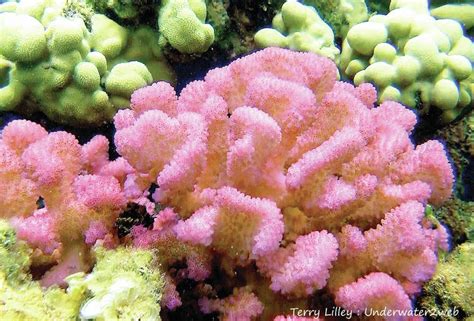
(377, 291)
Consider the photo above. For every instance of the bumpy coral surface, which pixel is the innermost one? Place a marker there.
(271, 161)
(299, 27)
(182, 25)
(126, 284)
(22, 298)
(452, 287)
(59, 194)
(73, 75)
(413, 58)
(340, 14)
(463, 13)
(124, 9)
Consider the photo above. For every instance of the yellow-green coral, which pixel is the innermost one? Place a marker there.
(30, 302)
(452, 287)
(14, 256)
(143, 46)
(299, 27)
(124, 9)
(340, 14)
(413, 58)
(125, 284)
(463, 13)
(182, 25)
(64, 68)
(458, 216)
(23, 299)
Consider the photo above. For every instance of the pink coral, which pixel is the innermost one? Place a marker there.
(159, 95)
(269, 171)
(99, 233)
(171, 298)
(272, 161)
(375, 292)
(303, 267)
(250, 227)
(408, 255)
(39, 230)
(65, 179)
(242, 305)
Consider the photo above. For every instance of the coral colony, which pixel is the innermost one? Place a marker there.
(268, 190)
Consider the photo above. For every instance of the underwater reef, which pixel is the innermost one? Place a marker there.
(306, 31)
(236, 160)
(72, 74)
(124, 284)
(413, 58)
(452, 285)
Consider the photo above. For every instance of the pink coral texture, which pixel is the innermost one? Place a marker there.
(269, 171)
(272, 161)
(57, 193)
(241, 305)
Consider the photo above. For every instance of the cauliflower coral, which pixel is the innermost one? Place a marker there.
(276, 169)
(59, 194)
